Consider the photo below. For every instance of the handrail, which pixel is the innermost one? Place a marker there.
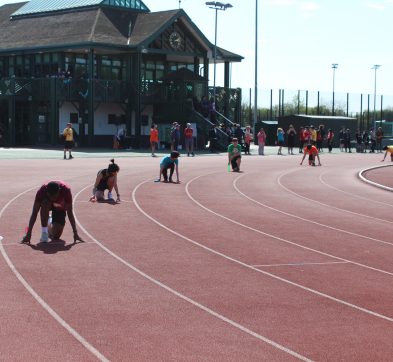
(227, 119)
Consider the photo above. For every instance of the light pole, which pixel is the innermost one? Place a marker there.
(375, 67)
(216, 6)
(256, 66)
(334, 67)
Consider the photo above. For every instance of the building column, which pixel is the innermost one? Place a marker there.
(206, 74)
(226, 88)
(129, 94)
(136, 80)
(90, 98)
(11, 121)
(53, 121)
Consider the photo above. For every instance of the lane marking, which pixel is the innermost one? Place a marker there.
(301, 264)
(323, 204)
(178, 294)
(39, 299)
(286, 281)
(364, 179)
(277, 237)
(353, 195)
(306, 220)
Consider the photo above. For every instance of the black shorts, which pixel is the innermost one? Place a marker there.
(58, 217)
(68, 145)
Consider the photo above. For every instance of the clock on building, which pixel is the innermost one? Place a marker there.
(175, 40)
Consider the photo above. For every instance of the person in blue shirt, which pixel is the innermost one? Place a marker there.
(170, 163)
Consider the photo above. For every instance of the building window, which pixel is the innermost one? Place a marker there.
(112, 68)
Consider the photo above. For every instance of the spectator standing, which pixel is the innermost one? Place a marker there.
(239, 134)
(379, 136)
(68, 134)
(366, 141)
(175, 136)
(313, 135)
(359, 141)
(153, 139)
(301, 139)
(291, 136)
(320, 137)
(261, 141)
(247, 140)
(373, 139)
(342, 137)
(188, 140)
(280, 140)
(330, 137)
(307, 136)
(347, 140)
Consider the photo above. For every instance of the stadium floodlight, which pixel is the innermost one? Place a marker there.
(334, 67)
(375, 67)
(216, 6)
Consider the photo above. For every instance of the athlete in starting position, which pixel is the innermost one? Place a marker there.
(56, 197)
(106, 180)
(312, 153)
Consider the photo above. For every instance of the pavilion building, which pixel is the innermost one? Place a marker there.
(101, 64)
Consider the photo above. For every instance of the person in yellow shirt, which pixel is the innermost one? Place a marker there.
(388, 149)
(68, 134)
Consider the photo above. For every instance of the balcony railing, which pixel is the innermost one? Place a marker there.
(65, 89)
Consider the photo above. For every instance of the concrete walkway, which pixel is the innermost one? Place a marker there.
(53, 153)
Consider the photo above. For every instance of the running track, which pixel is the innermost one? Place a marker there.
(277, 263)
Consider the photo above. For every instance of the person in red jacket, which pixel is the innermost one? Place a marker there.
(312, 153)
(188, 140)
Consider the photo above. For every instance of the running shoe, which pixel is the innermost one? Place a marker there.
(44, 237)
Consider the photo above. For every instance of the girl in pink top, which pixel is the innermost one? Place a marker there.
(261, 141)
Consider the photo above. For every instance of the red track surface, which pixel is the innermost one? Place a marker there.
(277, 263)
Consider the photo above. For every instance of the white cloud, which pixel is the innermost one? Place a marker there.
(376, 6)
(280, 2)
(308, 6)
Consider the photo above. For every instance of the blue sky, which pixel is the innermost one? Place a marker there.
(299, 40)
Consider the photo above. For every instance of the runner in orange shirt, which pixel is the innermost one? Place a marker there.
(388, 149)
(312, 152)
(153, 139)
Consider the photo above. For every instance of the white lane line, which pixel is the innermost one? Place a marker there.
(176, 293)
(215, 252)
(277, 237)
(300, 264)
(39, 299)
(307, 220)
(360, 175)
(326, 205)
(350, 194)
(89, 202)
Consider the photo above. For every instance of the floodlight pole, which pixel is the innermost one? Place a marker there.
(375, 67)
(334, 67)
(216, 6)
(256, 66)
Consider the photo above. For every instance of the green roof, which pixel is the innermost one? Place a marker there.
(35, 7)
